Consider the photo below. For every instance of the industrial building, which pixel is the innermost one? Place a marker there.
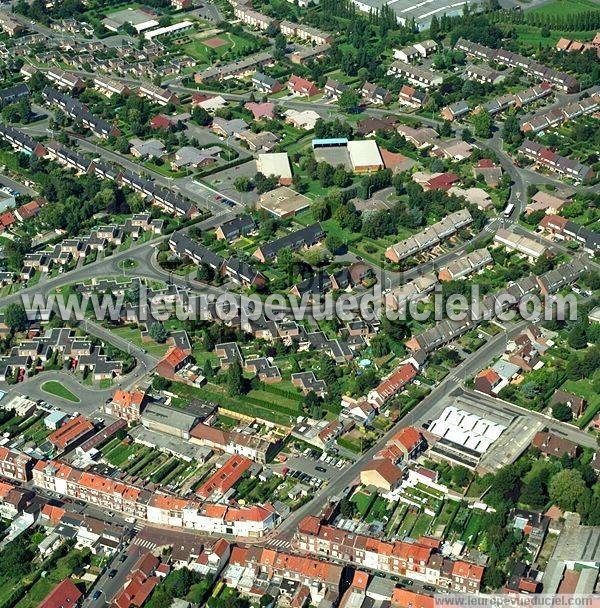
(463, 436)
(420, 10)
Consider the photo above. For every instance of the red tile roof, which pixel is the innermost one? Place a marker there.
(467, 570)
(553, 222)
(64, 595)
(160, 121)
(490, 375)
(175, 356)
(261, 110)
(409, 437)
(443, 181)
(403, 598)
(386, 469)
(396, 381)
(226, 477)
(310, 525)
(28, 210)
(54, 514)
(7, 219)
(301, 85)
(70, 432)
(128, 398)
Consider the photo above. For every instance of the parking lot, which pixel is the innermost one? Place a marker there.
(313, 464)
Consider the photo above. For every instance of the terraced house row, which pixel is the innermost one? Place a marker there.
(167, 200)
(79, 112)
(251, 521)
(561, 115)
(518, 100)
(430, 237)
(417, 560)
(448, 330)
(62, 340)
(561, 80)
(555, 162)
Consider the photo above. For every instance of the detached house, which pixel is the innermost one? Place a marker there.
(265, 84)
(301, 86)
(375, 94)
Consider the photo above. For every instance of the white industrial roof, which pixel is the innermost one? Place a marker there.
(364, 153)
(276, 164)
(466, 429)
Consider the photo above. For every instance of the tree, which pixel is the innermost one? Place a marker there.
(320, 210)
(562, 412)
(445, 129)
(511, 131)
(242, 184)
(122, 145)
(312, 405)
(578, 337)
(235, 380)
(380, 345)
(349, 100)
(161, 384)
(285, 260)
(15, 317)
(207, 370)
(482, 123)
(341, 179)
(567, 488)
(460, 476)
(534, 493)
(158, 332)
(334, 243)
(201, 117)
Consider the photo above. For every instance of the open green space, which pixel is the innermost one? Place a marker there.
(133, 335)
(56, 388)
(530, 34)
(59, 572)
(566, 7)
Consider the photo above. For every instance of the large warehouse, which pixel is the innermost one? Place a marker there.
(421, 11)
(359, 156)
(463, 436)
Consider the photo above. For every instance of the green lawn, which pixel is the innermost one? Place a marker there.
(118, 454)
(199, 51)
(363, 502)
(585, 389)
(56, 388)
(133, 335)
(530, 34)
(566, 7)
(44, 585)
(421, 526)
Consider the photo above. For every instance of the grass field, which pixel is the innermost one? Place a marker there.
(133, 335)
(363, 502)
(45, 584)
(201, 52)
(585, 389)
(530, 34)
(57, 389)
(566, 7)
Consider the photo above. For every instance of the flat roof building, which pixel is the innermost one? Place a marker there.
(365, 156)
(275, 164)
(283, 202)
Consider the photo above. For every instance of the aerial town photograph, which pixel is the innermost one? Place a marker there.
(299, 303)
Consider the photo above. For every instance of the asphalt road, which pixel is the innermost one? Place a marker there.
(349, 475)
(17, 186)
(204, 197)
